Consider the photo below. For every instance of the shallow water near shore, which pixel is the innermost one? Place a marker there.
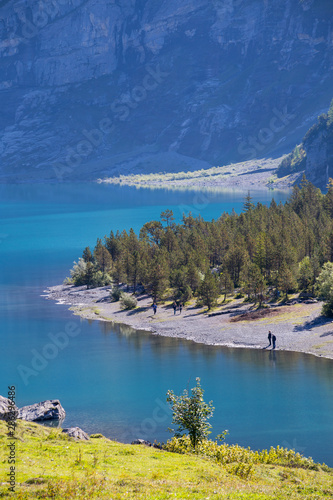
(112, 379)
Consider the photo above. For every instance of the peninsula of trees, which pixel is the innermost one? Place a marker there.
(263, 251)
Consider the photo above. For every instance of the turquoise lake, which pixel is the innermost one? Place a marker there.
(112, 379)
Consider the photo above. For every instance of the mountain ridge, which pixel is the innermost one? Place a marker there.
(205, 80)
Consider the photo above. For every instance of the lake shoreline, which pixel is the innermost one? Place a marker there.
(250, 174)
(299, 326)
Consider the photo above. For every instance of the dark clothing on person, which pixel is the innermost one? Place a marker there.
(274, 341)
(174, 305)
(180, 308)
(270, 338)
(154, 308)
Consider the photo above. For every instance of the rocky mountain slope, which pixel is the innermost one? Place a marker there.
(91, 88)
(314, 156)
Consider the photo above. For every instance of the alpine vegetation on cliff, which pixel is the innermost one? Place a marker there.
(314, 155)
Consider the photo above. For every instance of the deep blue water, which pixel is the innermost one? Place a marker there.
(112, 379)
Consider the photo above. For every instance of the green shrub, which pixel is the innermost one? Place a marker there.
(127, 301)
(191, 413)
(228, 454)
(183, 294)
(78, 273)
(244, 471)
(115, 294)
(100, 279)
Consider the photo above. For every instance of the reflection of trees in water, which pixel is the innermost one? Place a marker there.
(124, 332)
(108, 327)
(268, 358)
(157, 343)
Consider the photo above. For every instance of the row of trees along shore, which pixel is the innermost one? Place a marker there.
(263, 250)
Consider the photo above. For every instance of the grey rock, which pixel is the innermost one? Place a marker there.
(141, 441)
(46, 410)
(8, 411)
(319, 158)
(76, 433)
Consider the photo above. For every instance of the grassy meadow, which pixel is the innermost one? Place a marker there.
(50, 465)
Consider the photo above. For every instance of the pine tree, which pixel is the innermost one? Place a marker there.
(113, 245)
(235, 259)
(135, 259)
(286, 280)
(260, 252)
(167, 216)
(87, 255)
(248, 205)
(157, 275)
(193, 275)
(89, 275)
(102, 257)
(226, 284)
(305, 275)
(324, 287)
(208, 291)
(179, 281)
(152, 232)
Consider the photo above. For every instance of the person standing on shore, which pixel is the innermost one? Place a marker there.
(180, 308)
(274, 341)
(270, 338)
(174, 305)
(154, 307)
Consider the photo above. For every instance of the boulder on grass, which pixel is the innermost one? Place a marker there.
(141, 441)
(76, 433)
(46, 410)
(8, 411)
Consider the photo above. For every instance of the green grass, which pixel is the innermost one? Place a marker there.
(51, 465)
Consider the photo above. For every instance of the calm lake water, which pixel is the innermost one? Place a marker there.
(112, 379)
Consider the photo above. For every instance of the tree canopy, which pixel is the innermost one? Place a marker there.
(191, 413)
(264, 247)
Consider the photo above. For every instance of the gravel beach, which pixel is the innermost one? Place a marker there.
(297, 326)
(251, 174)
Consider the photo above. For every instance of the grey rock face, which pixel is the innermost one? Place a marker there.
(147, 443)
(141, 441)
(90, 88)
(46, 410)
(76, 433)
(319, 159)
(7, 410)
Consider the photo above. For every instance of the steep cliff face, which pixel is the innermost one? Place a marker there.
(314, 156)
(319, 157)
(94, 87)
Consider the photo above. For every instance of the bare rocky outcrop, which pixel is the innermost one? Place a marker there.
(46, 410)
(8, 411)
(76, 433)
(141, 441)
(319, 157)
(147, 443)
